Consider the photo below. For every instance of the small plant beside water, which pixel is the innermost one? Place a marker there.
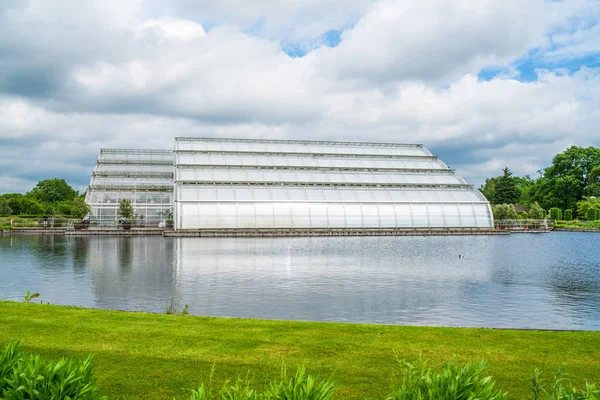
(171, 309)
(561, 388)
(30, 296)
(32, 377)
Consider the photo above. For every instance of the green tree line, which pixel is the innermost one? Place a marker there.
(569, 187)
(49, 197)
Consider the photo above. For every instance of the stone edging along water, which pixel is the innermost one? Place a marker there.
(577, 230)
(264, 232)
(284, 232)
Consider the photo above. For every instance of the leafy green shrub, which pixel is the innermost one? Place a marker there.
(80, 208)
(555, 213)
(568, 215)
(522, 215)
(504, 211)
(592, 214)
(301, 386)
(561, 388)
(455, 382)
(33, 378)
(536, 212)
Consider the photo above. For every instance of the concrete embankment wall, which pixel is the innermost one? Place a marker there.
(576, 230)
(331, 232)
(272, 232)
(282, 232)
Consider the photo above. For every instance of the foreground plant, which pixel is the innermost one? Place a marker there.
(561, 388)
(456, 382)
(30, 377)
(301, 386)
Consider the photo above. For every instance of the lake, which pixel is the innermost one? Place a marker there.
(544, 281)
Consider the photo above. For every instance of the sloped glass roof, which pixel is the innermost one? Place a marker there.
(289, 160)
(221, 174)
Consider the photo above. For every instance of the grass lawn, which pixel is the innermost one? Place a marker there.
(152, 356)
(579, 224)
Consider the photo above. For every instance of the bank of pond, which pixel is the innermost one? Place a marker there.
(154, 356)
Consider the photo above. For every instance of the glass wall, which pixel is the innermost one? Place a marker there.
(144, 177)
(245, 184)
(308, 214)
(254, 184)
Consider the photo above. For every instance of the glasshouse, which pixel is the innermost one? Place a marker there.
(145, 177)
(286, 184)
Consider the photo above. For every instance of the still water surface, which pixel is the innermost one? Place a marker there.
(519, 281)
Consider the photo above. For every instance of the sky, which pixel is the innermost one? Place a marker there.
(483, 84)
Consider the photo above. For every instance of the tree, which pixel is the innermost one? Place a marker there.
(126, 209)
(22, 205)
(536, 212)
(594, 182)
(525, 189)
(587, 203)
(80, 207)
(506, 189)
(5, 208)
(573, 174)
(52, 190)
(488, 189)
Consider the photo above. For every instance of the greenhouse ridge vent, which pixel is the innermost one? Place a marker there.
(249, 184)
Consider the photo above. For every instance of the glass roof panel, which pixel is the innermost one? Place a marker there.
(299, 147)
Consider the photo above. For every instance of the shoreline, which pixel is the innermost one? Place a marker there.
(301, 321)
(271, 232)
(287, 232)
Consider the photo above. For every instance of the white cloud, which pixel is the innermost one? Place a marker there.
(172, 28)
(129, 76)
(573, 29)
(287, 20)
(433, 39)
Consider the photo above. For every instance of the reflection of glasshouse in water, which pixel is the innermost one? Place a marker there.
(145, 177)
(262, 184)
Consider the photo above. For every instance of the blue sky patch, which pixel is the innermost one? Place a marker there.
(330, 38)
